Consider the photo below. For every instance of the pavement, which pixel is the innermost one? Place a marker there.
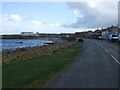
(97, 66)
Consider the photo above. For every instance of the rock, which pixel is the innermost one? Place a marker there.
(49, 43)
(19, 42)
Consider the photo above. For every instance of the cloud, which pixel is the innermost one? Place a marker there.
(93, 14)
(78, 14)
(89, 15)
(55, 25)
(37, 22)
(16, 17)
(15, 24)
(91, 4)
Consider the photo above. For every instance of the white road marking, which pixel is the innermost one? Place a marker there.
(107, 51)
(112, 56)
(115, 59)
(84, 45)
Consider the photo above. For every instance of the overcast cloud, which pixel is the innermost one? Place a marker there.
(93, 14)
(16, 23)
(89, 15)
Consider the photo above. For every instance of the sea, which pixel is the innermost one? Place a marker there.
(12, 44)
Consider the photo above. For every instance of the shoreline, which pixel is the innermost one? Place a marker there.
(52, 39)
(29, 52)
(55, 40)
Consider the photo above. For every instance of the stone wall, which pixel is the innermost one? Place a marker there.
(30, 52)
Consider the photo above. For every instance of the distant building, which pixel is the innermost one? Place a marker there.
(37, 34)
(1, 36)
(109, 31)
(97, 32)
(105, 34)
(113, 30)
(89, 34)
(27, 33)
(80, 34)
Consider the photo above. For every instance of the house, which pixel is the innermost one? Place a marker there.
(80, 34)
(89, 34)
(105, 34)
(27, 33)
(113, 30)
(109, 31)
(37, 34)
(97, 34)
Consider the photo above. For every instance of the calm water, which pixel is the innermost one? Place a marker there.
(20, 43)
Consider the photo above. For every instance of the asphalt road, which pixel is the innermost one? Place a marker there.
(96, 67)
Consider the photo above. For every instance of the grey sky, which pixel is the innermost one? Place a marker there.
(58, 17)
(93, 14)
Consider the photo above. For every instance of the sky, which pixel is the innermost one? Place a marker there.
(57, 17)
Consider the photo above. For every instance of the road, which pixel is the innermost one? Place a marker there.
(95, 67)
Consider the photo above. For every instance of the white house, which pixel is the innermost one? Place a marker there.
(105, 34)
(109, 31)
(27, 33)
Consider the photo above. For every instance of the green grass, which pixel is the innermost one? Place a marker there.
(116, 43)
(119, 44)
(36, 72)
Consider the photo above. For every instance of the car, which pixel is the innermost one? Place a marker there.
(119, 37)
(100, 37)
(113, 37)
(80, 40)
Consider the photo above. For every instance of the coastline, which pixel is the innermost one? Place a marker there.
(48, 41)
(57, 40)
(30, 52)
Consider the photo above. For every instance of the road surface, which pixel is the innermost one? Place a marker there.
(96, 67)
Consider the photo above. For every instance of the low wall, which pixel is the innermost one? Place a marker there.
(30, 52)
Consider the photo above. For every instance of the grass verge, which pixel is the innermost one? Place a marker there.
(36, 72)
(116, 43)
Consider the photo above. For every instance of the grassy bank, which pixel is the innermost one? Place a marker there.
(36, 72)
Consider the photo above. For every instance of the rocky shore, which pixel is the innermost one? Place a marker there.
(30, 52)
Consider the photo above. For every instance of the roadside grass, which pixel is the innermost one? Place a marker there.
(36, 72)
(116, 43)
(113, 43)
(119, 44)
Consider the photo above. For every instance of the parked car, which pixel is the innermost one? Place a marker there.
(100, 37)
(119, 37)
(80, 40)
(113, 37)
